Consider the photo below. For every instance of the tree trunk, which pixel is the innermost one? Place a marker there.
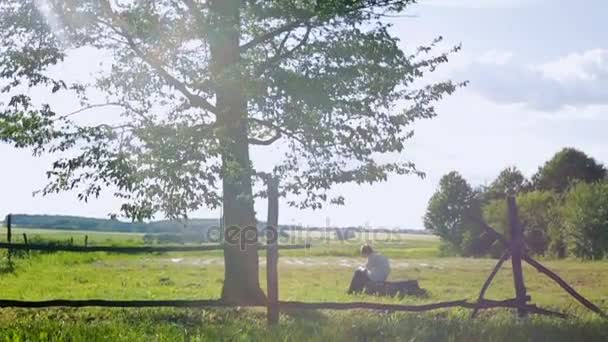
(241, 279)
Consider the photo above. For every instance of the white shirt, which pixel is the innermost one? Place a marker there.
(377, 267)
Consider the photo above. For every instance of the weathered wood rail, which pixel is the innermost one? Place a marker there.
(128, 249)
(281, 305)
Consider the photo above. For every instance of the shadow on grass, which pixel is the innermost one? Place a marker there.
(7, 267)
(316, 316)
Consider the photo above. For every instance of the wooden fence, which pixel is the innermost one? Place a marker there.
(515, 250)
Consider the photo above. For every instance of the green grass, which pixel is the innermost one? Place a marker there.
(232, 325)
(319, 274)
(78, 236)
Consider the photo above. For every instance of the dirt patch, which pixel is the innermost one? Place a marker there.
(302, 262)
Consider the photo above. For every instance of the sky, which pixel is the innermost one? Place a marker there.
(538, 73)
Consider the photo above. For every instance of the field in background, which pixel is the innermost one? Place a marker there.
(324, 244)
(319, 274)
(78, 236)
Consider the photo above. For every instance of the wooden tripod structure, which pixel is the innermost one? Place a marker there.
(516, 251)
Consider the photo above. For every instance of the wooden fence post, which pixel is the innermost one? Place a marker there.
(272, 255)
(86, 240)
(9, 234)
(517, 248)
(25, 242)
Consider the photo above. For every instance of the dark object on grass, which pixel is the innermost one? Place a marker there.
(395, 288)
(362, 284)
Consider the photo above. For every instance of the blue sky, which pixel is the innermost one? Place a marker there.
(539, 82)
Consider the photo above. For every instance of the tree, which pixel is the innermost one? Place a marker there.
(197, 83)
(509, 182)
(585, 215)
(538, 211)
(449, 214)
(567, 166)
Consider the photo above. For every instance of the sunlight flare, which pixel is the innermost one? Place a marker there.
(45, 7)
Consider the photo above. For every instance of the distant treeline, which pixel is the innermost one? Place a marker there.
(63, 222)
(107, 225)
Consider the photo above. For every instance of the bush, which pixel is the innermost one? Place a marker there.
(585, 214)
(538, 213)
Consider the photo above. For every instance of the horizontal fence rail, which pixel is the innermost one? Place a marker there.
(128, 249)
(283, 305)
(7, 303)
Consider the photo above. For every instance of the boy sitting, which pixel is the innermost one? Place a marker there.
(376, 270)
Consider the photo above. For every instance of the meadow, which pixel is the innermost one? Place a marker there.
(319, 274)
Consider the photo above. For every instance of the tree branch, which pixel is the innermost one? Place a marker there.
(267, 142)
(89, 107)
(195, 100)
(269, 35)
(279, 56)
(298, 23)
(278, 129)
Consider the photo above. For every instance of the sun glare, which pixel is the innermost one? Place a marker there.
(45, 7)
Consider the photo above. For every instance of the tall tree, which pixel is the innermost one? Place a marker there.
(509, 182)
(565, 167)
(449, 214)
(200, 81)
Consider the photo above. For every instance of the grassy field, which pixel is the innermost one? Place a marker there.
(78, 236)
(319, 274)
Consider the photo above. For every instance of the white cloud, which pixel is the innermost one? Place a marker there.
(578, 80)
(587, 66)
(498, 57)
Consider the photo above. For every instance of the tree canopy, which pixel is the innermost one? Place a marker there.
(451, 212)
(196, 83)
(567, 219)
(322, 79)
(565, 167)
(509, 182)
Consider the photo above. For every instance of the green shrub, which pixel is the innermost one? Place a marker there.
(538, 212)
(585, 214)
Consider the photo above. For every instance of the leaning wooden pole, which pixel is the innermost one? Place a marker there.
(272, 255)
(516, 247)
(486, 285)
(542, 269)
